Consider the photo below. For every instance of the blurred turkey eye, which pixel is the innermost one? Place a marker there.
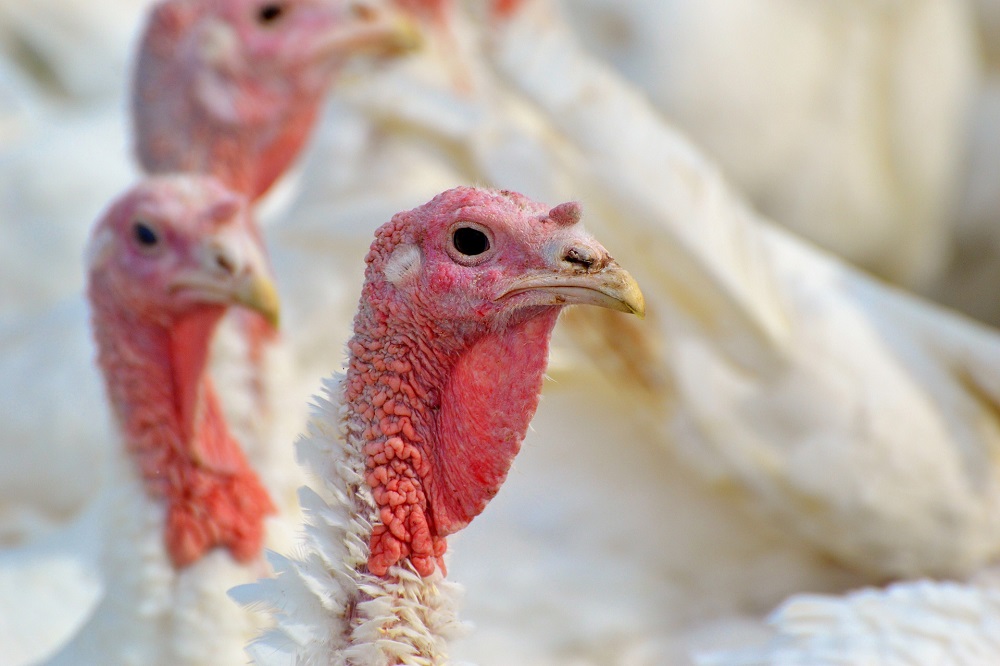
(145, 235)
(270, 12)
(470, 242)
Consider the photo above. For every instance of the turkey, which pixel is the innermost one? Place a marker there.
(263, 398)
(444, 370)
(859, 416)
(844, 122)
(747, 509)
(408, 133)
(920, 623)
(182, 514)
(78, 132)
(233, 87)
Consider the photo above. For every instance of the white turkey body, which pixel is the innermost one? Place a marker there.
(921, 623)
(844, 122)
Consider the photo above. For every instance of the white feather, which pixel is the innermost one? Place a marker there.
(920, 623)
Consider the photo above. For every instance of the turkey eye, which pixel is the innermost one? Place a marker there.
(470, 242)
(270, 13)
(144, 235)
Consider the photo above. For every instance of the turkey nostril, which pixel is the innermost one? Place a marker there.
(225, 263)
(579, 257)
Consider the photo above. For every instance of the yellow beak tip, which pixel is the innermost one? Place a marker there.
(406, 36)
(262, 297)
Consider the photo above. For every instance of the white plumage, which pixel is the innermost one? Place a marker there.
(78, 49)
(860, 417)
(56, 458)
(844, 122)
(921, 623)
(144, 610)
(401, 618)
(699, 549)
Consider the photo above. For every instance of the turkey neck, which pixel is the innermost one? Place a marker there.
(438, 411)
(173, 427)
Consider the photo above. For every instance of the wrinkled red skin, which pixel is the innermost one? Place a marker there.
(174, 428)
(439, 444)
(442, 401)
(153, 360)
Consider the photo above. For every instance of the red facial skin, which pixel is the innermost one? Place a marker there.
(153, 340)
(445, 374)
(234, 87)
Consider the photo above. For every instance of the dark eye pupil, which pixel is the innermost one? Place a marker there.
(271, 12)
(470, 242)
(145, 235)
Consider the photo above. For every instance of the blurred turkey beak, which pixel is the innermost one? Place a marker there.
(372, 31)
(232, 270)
(258, 293)
(586, 275)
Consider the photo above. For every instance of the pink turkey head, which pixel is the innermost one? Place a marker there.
(233, 87)
(451, 340)
(176, 244)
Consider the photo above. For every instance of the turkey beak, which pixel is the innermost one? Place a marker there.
(583, 273)
(370, 30)
(233, 270)
(257, 292)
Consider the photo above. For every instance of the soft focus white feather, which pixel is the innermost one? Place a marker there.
(970, 283)
(80, 49)
(869, 428)
(628, 554)
(922, 623)
(56, 458)
(149, 612)
(47, 593)
(844, 122)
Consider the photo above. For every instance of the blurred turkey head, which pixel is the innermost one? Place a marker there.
(234, 87)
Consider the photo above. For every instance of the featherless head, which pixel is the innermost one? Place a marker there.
(451, 340)
(174, 245)
(234, 86)
(285, 35)
(253, 39)
(165, 261)
(480, 257)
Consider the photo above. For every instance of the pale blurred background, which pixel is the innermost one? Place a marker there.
(869, 127)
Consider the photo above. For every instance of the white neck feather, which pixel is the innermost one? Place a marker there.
(150, 613)
(328, 608)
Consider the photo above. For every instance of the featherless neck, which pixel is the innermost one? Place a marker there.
(441, 408)
(144, 387)
(174, 429)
